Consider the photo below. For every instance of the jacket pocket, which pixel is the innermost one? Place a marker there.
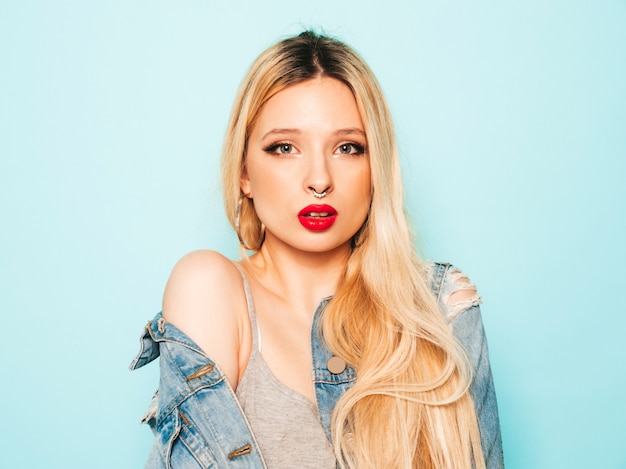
(179, 446)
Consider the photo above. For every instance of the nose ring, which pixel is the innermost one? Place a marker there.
(319, 195)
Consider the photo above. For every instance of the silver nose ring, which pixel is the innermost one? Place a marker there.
(319, 195)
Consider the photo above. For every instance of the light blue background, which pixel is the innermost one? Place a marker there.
(511, 119)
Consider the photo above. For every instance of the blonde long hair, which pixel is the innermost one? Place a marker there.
(410, 406)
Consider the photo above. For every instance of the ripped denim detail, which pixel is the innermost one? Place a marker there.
(455, 299)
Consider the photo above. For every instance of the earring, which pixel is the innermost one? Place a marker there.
(238, 228)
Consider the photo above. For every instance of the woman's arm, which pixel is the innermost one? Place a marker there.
(204, 298)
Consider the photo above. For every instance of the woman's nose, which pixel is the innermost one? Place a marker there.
(319, 180)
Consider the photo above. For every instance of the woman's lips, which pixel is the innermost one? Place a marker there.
(317, 217)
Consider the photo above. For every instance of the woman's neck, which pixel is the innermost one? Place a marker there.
(300, 278)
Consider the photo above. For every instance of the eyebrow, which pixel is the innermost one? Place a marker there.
(340, 132)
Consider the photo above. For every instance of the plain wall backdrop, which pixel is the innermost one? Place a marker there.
(511, 120)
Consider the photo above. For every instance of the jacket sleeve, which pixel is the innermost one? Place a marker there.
(468, 329)
(195, 415)
(465, 321)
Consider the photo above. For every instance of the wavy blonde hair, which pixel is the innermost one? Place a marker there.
(410, 406)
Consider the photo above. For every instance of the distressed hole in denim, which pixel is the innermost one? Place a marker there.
(203, 370)
(462, 294)
(241, 451)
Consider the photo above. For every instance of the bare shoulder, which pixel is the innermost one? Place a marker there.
(204, 298)
(200, 274)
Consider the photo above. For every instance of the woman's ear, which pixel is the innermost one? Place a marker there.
(244, 184)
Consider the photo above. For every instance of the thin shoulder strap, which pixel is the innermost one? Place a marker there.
(256, 338)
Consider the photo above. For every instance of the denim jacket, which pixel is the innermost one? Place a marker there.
(199, 423)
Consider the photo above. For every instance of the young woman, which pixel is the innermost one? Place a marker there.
(332, 343)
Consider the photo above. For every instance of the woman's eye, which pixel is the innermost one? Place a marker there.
(351, 149)
(285, 148)
(280, 148)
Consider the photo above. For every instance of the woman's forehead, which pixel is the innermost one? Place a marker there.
(320, 104)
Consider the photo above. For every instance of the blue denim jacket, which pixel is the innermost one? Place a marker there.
(199, 423)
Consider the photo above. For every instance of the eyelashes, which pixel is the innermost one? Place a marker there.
(351, 148)
(280, 148)
(343, 149)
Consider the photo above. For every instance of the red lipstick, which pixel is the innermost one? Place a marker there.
(317, 217)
